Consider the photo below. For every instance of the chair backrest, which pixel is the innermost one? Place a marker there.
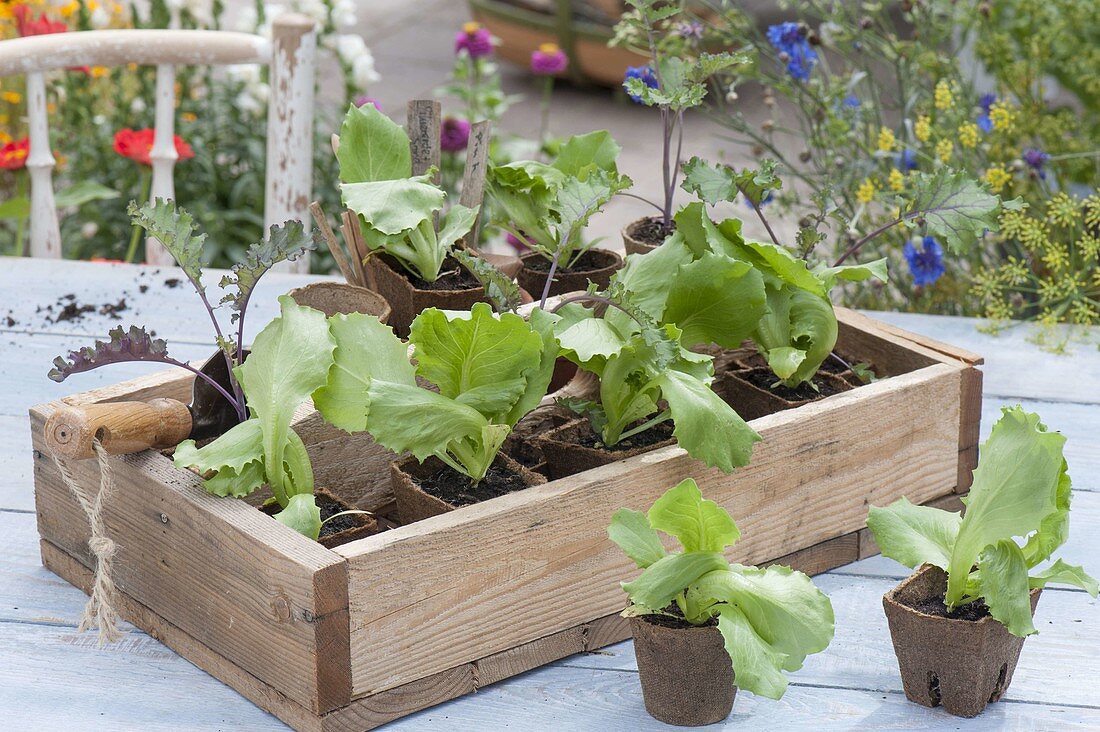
(290, 53)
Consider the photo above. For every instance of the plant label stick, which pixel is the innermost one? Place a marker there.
(473, 177)
(357, 247)
(423, 129)
(333, 246)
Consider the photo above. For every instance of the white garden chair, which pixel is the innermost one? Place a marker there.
(290, 53)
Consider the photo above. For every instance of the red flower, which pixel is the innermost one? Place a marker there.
(13, 155)
(26, 25)
(138, 144)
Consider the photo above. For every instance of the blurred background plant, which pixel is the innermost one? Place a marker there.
(221, 117)
(864, 95)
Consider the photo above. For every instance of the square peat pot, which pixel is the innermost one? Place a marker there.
(352, 637)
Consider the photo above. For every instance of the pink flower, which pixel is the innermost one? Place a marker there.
(454, 134)
(475, 40)
(548, 60)
(364, 100)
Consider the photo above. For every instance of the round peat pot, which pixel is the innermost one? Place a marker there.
(687, 676)
(573, 447)
(596, 265)
(458, 290)
(645, 235)
(333, 298)
(959, 664)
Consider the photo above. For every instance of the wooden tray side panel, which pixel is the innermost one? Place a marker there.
(236, 581)
(541, 559)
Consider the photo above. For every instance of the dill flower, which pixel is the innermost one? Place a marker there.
(886, 139)
(896, 180)
(942, 97)
(968, 134)
(866, 191)
(997, 177)
(922, 130)
(1063, 210)
(1001, 115)
(944, 148)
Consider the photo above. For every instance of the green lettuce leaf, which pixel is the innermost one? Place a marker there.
(756, 664)
(708, 428)
(237, 456)
(394, 206)
(914, 535)
(1064, 574)
(700, 525)
(372, 147)
(631, 531)
(302, 515)
(660, 582)
(714, 299)
(1004, 586)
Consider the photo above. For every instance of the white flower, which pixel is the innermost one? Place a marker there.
(201, 10)
(248, 103)
(343, 14)
(89, 229)
(247, 74)
(315, 9)
(246, 19)
(828, 32)
(99, 18)
(363, 71)
(99, 120)
(350, 47)
(138, 105)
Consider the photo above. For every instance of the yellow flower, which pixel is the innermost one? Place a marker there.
(69, 9)
(1001, 115)
(51, 108)
(11, 97)
(968, 134)
(897, 180)
(5, 138)
(942, 97)
(997, 177)
(866, 191)
(886, 139)
(98, 72)
(4, 119)
(944, 148)
(471, 28)
(188, 116)
(923, 128)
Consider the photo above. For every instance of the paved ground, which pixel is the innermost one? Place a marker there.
(412, 42)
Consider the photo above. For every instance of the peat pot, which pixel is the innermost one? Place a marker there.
(566, 454)
(408, 298)
(333, 298)
(961, 665)
(686, 674)
(596, 265)
(635, 242)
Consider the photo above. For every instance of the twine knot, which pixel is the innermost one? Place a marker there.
(100, 610)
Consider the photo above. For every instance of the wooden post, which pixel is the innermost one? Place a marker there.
(163, 155)
(473, 177)
(45, 231)
(290, 126)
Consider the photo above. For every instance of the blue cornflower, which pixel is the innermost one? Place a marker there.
(645, 73)
(852, 101)
(926, 264)
(1036, 160)
(907, 160)
(985, 124)
(790, 40)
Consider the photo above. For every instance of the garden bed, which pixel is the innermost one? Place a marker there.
(352, 637)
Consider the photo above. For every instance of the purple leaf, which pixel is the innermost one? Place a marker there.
(133, 345)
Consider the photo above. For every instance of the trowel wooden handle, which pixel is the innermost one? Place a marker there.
(122, 427)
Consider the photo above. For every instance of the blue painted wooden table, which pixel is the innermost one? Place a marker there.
(52, 678)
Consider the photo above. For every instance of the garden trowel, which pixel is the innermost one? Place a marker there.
(126, 427)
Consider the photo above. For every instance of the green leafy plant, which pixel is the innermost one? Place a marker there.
(175, 229)
(490, 370)
(648, 376)
(289, 360)
(547, 205)
(770, 618)
(397, 211)
(1021, 491)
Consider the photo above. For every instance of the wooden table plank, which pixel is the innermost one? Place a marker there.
(1013, 362)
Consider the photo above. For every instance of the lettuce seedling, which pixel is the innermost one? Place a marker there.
(398, 212)
(490, 370)
(547, 206)
(175, 229)
(288, 361)
(647, 376)
(1017, 515)
(770, 619)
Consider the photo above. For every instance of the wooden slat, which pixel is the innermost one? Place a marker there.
(277, 603)
(558, 569)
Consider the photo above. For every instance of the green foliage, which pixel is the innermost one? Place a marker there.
(289, 360)
(547, 205)
(397, 210)
(283, 243)
(770, 618)
(175, 229)
(717, 183)
(489, 370)
(954, 208)
(1021, 490)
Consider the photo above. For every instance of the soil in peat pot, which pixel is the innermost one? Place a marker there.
(451, 486)
(675, 619)
(657, 433)
(452, 276)
(764, 378)
(587, 262)
(653, 230)
(329, 508)
(935, 605)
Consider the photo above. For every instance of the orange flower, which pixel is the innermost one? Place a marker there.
(138, 144)
(13, 155)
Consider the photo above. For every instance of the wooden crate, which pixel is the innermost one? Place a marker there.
(350, 638)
